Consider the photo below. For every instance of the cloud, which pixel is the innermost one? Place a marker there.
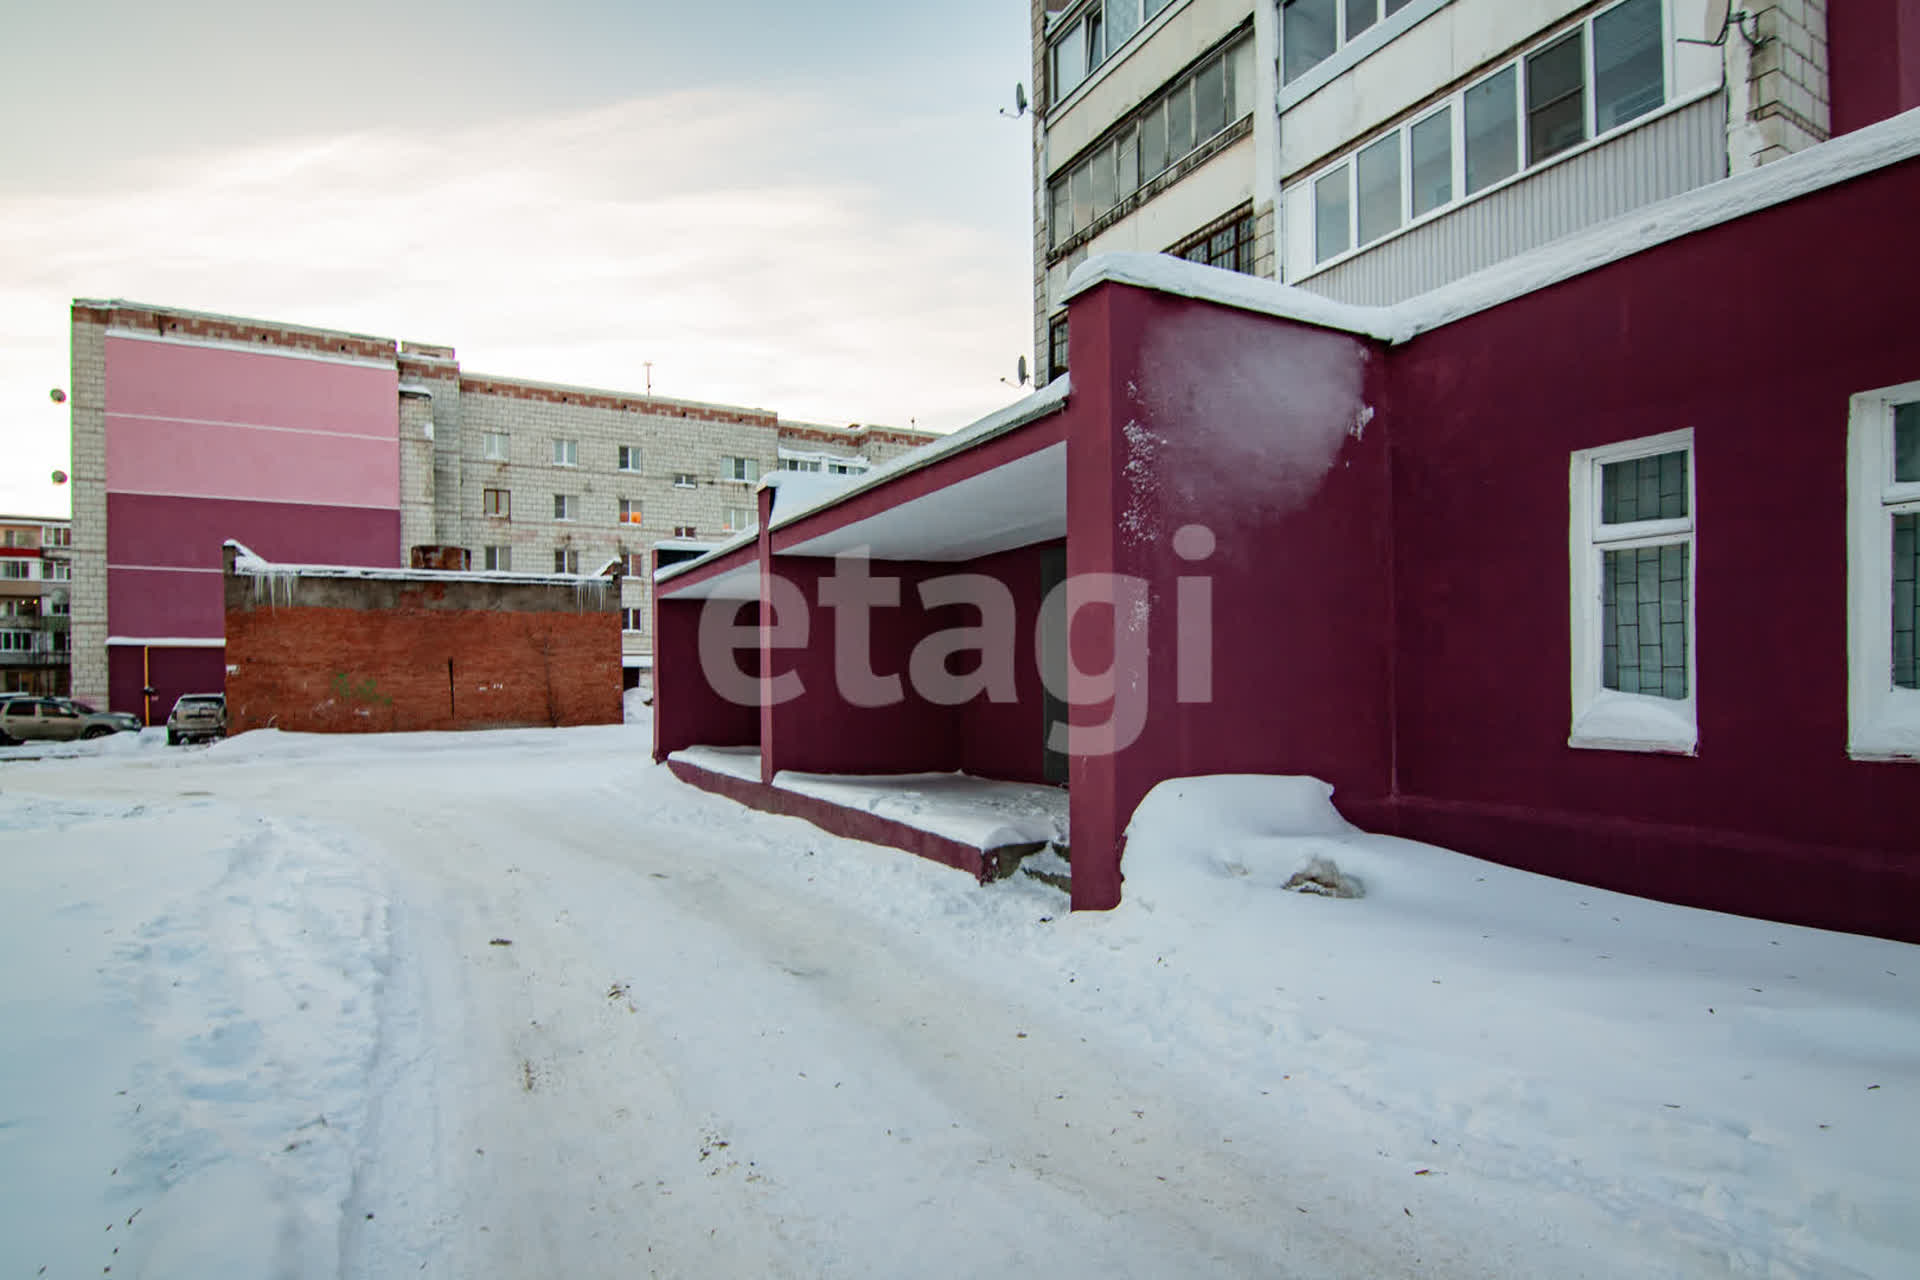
(757, 249)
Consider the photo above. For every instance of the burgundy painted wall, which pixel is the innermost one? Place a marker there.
(686, 710)
(173, 672)
(187, 534)
(1006, 739)
(1873, 60)
(1255, 429)
(819, 731)
(1772, 816)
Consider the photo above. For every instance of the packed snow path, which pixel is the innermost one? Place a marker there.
(521, 1004)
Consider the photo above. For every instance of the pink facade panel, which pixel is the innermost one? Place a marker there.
(217, 460)
(183, 381)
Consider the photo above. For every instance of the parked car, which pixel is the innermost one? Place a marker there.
(197, 716)
(58, 720)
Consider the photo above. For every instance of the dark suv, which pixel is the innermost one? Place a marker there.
(197, 716)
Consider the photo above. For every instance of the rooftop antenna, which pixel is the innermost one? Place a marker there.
(1020, 371)
(1019, 102)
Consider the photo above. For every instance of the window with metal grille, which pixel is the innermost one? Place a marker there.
(1883, 574)
(1227, 243)
(1633, 598)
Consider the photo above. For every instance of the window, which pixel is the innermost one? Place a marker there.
(1186, 115)
(685, 531)
(498, 559)
(566, 453)
(1556, 98)
(60, 570)
(56, 537)
(566, 506)
(632, 620)
(496, 502)
(740, 519)
(1227, 244)
(747, 469)
(1629, 70)
(800, 464)
(566, 561)
(1883, 574)
(63, 642)
(627, 457)
(685, 480)
(1377, 178)
(16, 568)
(1582, 82)
(846, 468)
(1056, 346)
(637, 564)
(1493, 130)
(59, 607)
(629, 511)
(493, 446)
(1090, 40)
(1431, 141)
(16, 642)
(1332, 213)
(1632, 566)
(1311, 30)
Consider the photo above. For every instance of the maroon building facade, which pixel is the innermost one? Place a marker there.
(1397, 549)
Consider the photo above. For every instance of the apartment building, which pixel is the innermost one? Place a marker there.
(1371, 150)
(36, 576)
(317, 446)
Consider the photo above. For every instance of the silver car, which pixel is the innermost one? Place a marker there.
(58, 720)
(200, 716)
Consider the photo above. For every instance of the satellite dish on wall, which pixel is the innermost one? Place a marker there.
(1717, 18)
(58, 396)
(59, 477)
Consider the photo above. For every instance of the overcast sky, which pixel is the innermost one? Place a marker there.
(814, 208)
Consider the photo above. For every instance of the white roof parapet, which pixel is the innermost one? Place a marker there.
(247, 563)
(1049, 399)
(1853, 155)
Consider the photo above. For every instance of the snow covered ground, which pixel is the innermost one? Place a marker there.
(521, 1004)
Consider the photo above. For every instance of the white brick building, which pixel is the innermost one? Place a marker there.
(528, 477)
(1371, 150)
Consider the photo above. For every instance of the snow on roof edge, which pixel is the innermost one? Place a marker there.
(246, 562)
(1049, 399)
(1878, 146)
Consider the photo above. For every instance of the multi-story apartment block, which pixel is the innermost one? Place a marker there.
(35, 582)
(1371, 150)
(317, 446)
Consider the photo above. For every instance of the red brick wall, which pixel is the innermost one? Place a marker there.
(339, 670)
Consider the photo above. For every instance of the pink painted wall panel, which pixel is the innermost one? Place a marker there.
(212, 384)
(194, 459)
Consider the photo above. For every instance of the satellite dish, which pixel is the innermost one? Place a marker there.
(1717, 19)
(1019, 98)
(1023, 371)
(58, 396)
(59, 477)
